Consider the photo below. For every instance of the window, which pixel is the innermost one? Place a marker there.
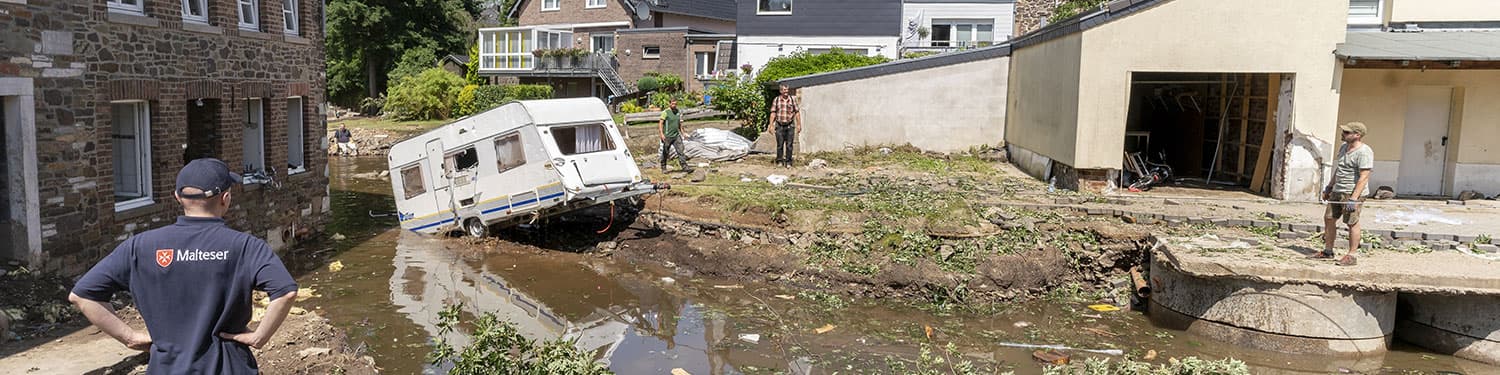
(582, 139)
(131, 137)
(249, 14)
(510, 49)
(962, 33)
(461, 161)
(289, 14)
(603, 43)
(774, 7)
(650, 52)
(1364, 12)
(594, 4)
(254, 139)
(703, 63)
(550, 5)
(128, 6)
(195, 11)
(509, 153)
(295, 144)
(411, 181)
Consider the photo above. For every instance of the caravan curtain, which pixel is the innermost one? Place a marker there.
(590, 138)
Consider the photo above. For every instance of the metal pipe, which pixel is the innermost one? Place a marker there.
(1142, 289)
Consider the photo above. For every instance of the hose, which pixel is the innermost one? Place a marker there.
(611, 218)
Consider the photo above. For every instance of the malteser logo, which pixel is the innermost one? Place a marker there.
(164, 257)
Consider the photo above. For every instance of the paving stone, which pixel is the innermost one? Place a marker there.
(1285, 235)
(1236, 223)
(1098, 211)
(1307, 228)
(1198, 220)
(1061, 201)
(1263, 224)
(1438, 237)
(1405, 235)
(1464, 238)
(1171, 202)
(1382, 233)
(1487, 248)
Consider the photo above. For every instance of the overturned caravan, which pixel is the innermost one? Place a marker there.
(517, 163)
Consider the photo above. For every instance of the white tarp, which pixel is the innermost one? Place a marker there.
(715, 145)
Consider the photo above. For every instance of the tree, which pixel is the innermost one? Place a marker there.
(366, 38)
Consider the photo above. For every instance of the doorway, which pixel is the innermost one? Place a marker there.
(1211, 129)
(1424, 143)
(203, 138)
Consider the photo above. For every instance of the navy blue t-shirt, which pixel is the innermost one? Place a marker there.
(192, 280)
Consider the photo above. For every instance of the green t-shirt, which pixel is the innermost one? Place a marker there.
(674, 123)
(1348, 164)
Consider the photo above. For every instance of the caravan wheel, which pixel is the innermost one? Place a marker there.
(476, 228)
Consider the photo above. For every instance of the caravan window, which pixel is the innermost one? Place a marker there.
(461, 161)
(411, 181)
(508, 152)
(582, 139)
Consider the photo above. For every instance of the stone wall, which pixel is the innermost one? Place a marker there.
(82, 56)
(1031, 13)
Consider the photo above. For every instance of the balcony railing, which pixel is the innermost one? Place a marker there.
(587, 63)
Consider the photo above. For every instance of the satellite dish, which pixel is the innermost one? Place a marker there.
(642, 11)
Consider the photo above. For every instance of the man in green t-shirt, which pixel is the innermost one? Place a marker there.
(670, 127)
(1345, 192)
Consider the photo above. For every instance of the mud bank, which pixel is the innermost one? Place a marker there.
(878, 262)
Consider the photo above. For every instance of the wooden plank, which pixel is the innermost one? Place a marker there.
(1239, 171)
(1268, 139)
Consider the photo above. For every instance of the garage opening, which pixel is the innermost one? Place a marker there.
(1201, 130)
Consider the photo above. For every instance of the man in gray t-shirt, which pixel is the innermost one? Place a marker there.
(1345, 192)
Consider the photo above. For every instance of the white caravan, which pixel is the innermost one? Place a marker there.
(520, 162)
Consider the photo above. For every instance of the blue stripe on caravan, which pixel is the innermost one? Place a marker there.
(492, 210)
(437, 223)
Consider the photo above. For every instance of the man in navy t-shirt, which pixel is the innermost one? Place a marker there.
(192, 282)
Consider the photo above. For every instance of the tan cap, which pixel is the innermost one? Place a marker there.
(1355, 127)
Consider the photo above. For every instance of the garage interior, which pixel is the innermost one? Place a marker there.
(1210, 128)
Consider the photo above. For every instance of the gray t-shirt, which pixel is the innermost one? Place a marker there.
(1348, 164)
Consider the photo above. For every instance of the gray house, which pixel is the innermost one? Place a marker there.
(771, 28)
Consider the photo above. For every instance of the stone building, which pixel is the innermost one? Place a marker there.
(104, 100)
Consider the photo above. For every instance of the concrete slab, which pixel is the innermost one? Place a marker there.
(1442, 273)
(87, 351)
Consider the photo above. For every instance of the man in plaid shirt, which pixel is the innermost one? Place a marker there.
(785, 115)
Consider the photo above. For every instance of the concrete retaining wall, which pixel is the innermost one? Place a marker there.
(946, 109)
(1465, 326)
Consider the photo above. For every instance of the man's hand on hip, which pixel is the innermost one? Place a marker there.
(139, 341)
(248, 338)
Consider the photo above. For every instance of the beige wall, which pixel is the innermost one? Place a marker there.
(1378, 97)
(1444, 10)
(1042, 111)
(944, 109)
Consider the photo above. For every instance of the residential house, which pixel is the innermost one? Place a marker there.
(771, 28)
(945, 25)
(624, 39)
(105, 100)
(1423, 75)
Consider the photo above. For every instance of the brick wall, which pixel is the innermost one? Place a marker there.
(81, 56)
(674, 57)
(571, 12)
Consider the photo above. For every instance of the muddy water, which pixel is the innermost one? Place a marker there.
(650, 318)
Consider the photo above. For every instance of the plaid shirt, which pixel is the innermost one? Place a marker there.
(783, 109)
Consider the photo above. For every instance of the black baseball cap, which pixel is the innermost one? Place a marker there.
(210, 175)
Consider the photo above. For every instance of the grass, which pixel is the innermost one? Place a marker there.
(376, 123)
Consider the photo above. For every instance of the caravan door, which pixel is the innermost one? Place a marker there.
(593, 154)
(438, 174)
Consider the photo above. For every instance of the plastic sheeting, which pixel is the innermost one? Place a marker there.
(715, 145)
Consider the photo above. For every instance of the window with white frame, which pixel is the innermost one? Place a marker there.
(506, 49)
(703, 63)
(131, 140)
(195, 11)
(773, 7)
(551, 4)
(603, 43)
(594, 4)
(249, 14)
(962, 33)
(1364, 12)
(295, 140)
(254, 144)
(651, 52)
(289, 15)
(128, 6)
(509, 152)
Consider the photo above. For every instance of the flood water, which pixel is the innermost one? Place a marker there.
(648, 319)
